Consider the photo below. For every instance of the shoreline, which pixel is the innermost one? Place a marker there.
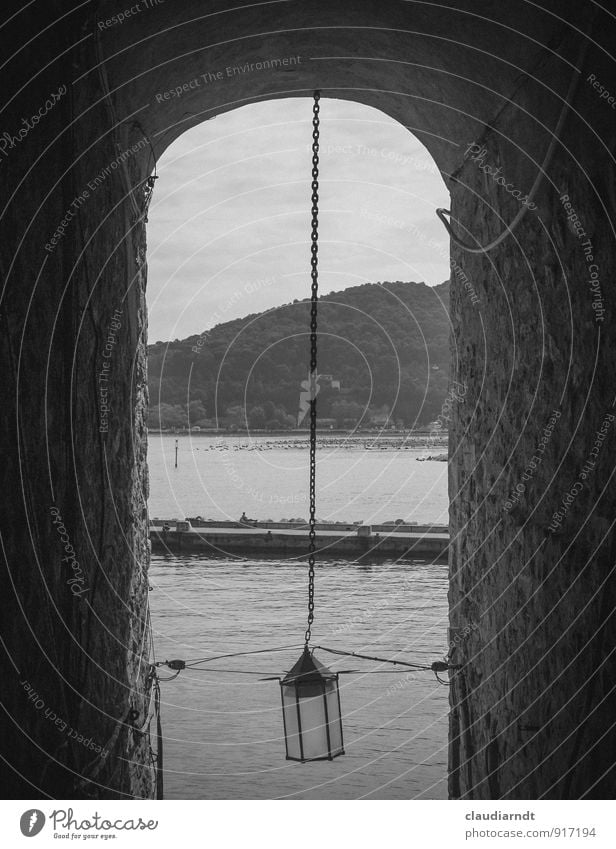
(302, 433)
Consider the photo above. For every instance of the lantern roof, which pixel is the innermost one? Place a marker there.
(308, 668)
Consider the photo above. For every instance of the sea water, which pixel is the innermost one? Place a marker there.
(223, 724)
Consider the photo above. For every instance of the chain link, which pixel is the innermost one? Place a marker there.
(314, 294)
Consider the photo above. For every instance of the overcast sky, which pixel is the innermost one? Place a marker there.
(229, 224)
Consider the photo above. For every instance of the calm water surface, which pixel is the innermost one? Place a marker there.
(223, 729)
(221, 478)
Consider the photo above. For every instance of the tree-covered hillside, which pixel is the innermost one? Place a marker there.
(383, 359)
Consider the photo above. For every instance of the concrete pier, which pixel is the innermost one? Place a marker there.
(261, 540)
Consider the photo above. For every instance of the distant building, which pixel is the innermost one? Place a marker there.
(329, 379)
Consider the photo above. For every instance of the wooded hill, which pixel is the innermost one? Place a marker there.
(383, 358)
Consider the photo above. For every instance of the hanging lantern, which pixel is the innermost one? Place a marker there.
(310, 697)
(311, 711)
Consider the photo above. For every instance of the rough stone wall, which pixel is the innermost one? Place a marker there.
(532, 710)
(76, 635)
(535, 695)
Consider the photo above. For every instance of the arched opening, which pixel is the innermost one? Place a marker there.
(229, 237)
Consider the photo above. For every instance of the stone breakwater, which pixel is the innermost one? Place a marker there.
(359, 541)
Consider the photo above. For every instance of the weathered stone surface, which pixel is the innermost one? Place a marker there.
(80, 650)
(529, 716)
(536, 695)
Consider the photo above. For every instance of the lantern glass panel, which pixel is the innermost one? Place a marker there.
(291, 727)
(335, 719)
(313, 719)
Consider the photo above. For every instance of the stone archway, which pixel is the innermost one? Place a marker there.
(532, 715)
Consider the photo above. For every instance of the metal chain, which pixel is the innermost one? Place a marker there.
(314, 294)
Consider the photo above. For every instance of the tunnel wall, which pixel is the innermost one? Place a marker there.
(532, 456)
(74, 531)
(525, 707)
